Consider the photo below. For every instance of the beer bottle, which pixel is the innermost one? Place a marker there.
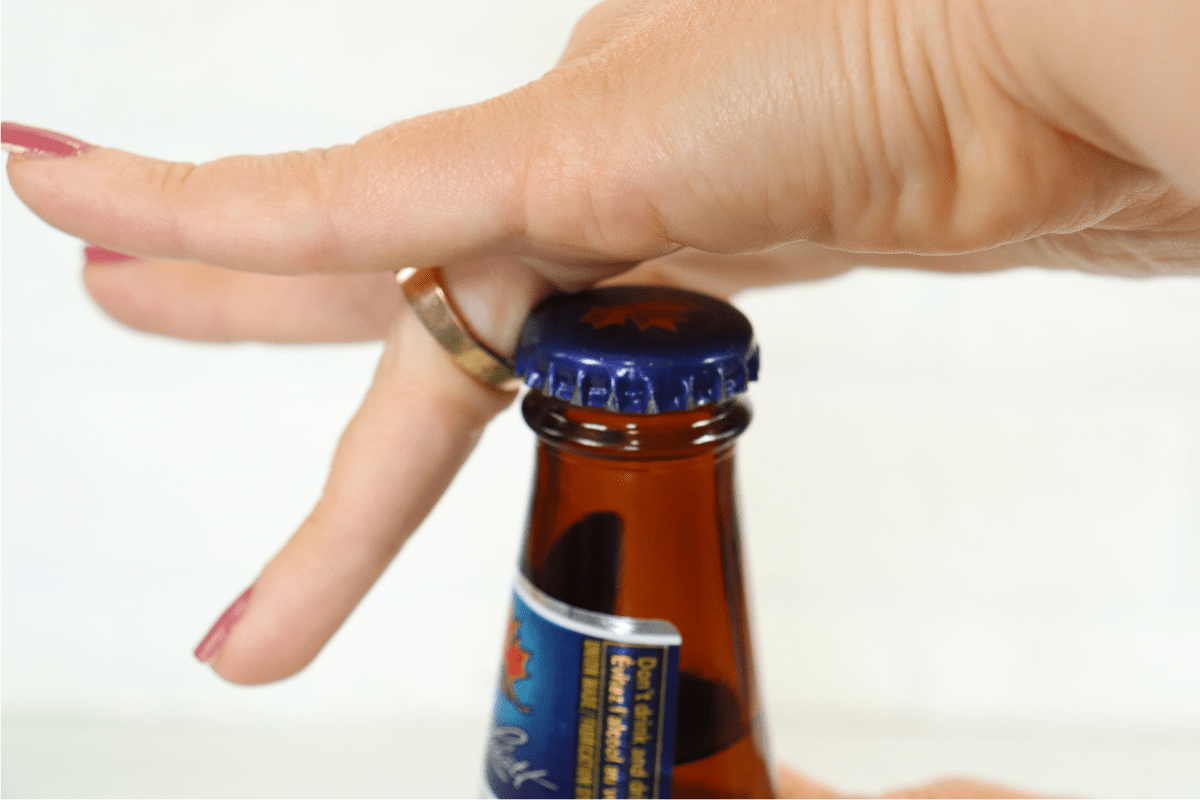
(627, 668)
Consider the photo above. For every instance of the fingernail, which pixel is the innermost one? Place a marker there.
(94, 254)
(216, 637)
(28, 141)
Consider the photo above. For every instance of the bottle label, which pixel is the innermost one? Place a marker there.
(586, 703)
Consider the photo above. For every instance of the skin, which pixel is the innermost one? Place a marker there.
(700, 143)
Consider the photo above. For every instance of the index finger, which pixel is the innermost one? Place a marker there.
(430, 190)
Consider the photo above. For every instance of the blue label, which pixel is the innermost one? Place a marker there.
(586, 703)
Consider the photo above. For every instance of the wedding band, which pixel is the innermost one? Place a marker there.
(426, 294)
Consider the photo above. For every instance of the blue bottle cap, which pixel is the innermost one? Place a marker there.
(637, 349)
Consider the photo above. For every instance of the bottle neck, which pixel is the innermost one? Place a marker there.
(621, 501)
(635, 516)
(594, 433)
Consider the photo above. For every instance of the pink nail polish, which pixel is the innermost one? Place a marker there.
(216, 637)
(29, 141)
(94, 254)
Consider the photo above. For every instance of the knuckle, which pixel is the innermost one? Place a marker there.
(174, 177)
(586, 172)
(286, 203)
(320, 199)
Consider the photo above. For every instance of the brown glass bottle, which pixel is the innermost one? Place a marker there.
(635, 515)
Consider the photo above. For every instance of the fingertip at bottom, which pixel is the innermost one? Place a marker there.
(210, 645)
(94, 254)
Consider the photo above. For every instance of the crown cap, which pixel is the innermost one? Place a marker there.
(637, 349)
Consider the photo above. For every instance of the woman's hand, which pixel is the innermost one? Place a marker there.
(695, 142)
(790, 783)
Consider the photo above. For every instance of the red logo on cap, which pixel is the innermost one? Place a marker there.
(662, 313)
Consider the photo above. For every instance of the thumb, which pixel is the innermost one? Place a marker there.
(443, 188)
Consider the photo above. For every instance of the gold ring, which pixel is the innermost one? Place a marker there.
(431, 303)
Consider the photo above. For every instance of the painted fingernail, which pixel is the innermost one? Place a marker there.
(94, 254)
(28, 141)
(216, 637)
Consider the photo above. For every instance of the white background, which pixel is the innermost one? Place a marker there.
(971, 502)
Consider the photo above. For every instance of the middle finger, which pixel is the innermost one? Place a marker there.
(188, 300)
